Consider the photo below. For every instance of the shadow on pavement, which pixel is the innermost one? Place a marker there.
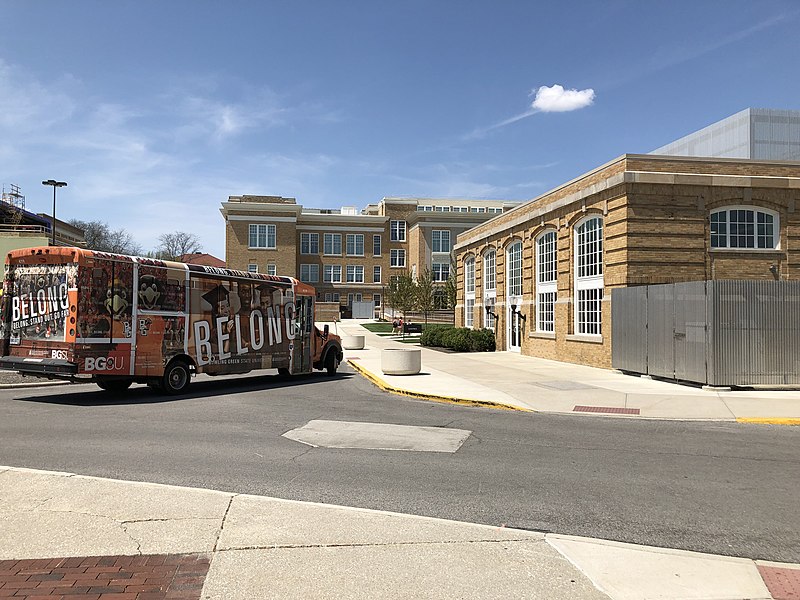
(206, 388)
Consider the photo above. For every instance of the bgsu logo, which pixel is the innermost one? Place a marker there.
(102, 363)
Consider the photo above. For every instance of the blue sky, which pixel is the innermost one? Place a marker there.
(155, 112)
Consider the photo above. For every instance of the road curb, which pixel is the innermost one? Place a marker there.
(432, 397)
(10, 386)
(769, 421)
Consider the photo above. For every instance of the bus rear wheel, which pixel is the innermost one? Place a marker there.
(176, 377)
(114, 385)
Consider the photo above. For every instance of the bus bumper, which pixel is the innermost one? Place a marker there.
(38, 366)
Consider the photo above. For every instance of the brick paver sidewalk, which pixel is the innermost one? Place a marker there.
(141, 577)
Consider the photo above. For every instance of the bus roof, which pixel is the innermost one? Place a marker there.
(61, 254)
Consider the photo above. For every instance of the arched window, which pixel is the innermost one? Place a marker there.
(489, 288)
(588, 241)
(469, 291)
(744, 227)
(514, 267)
(546, 281)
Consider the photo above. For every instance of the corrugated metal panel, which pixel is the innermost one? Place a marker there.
(629, 329)
(757, 332)
(660, 330)
(689, 338)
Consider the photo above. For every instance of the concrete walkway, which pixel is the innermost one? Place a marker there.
(522, 382)
(65, 535)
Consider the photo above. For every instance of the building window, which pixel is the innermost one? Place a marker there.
(461, 209)
(442, 209)
(272, 269)
(514, 268)
(489, 271)
(332, 274)
(397, 258)
(469, 310)
(376, 245)
(546, 281)
(376, 299)
(333, 244)
(355, 244)
(489, 312)
(589, 276)
(309, 243)
(309, 273)
(262, 236)
(440, 240)
(252, 268)
(424, 208)
(441, 272)
(376, 274)
(355, 274)
(744, 227)
(397, 230)
(469, 276)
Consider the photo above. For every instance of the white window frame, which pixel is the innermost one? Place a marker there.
(309, 273)
(440, 241)
(332, 273)
(272, 269)
(376, 274)
(397, 258)
(252, 268)
(309, 243)
(332, 241)
(514, 269)
(758, 214)
(355, 244)
(376, 299)
(546, 280)
(355, 273)
(267, 231)
(489, 286)
(377, 242)
(397, 231)
(589, 282)
(469, 292)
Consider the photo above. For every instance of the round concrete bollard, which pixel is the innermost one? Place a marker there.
(353, 342)
(401, 361)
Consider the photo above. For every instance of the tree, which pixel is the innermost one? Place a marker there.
(426, 293)
(99, 236)
(174, 245)
(404, 293)
(451, 289)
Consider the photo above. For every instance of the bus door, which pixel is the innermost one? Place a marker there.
(303, 341)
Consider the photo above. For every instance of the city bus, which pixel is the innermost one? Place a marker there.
(82, 315)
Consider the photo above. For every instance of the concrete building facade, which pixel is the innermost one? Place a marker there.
(542, 274)
(349, 254)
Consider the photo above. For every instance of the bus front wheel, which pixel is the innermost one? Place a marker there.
(176, 377)
(331, 363)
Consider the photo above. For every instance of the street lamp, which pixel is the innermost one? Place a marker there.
(55, 184)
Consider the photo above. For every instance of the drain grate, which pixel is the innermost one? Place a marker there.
(611, 410)
(783, 584)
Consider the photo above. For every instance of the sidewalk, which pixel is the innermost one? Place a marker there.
(507, 379)
(64, 535)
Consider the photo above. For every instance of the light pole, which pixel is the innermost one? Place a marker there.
(55, 184)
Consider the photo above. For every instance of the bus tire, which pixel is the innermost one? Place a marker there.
(331, 363)
(176, 377)
(114, 385)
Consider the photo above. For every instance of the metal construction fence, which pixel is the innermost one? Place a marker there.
(714, 332)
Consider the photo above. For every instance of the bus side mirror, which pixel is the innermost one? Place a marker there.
(326, 330)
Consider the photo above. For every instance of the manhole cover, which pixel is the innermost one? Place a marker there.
(378, 436)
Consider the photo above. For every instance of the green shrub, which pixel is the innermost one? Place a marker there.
(433, 335)
(482, 340)
(458, 339)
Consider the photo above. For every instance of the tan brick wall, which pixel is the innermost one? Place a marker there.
(653, 233)
(238, 255)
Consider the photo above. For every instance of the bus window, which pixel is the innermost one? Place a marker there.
(160, 289)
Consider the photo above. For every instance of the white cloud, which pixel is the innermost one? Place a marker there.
(557, 99)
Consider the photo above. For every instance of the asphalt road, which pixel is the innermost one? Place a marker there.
(723, 488)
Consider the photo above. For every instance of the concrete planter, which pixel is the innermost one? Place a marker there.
(353, 342)
(401, 361)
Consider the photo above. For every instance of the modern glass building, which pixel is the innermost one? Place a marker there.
(757, 133)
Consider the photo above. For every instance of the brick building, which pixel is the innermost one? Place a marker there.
(346, 254)
(542, 273)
